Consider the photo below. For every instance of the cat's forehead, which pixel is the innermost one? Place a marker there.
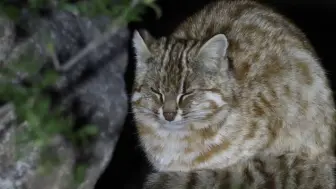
(173, 48)
(172, 63)
(169, 67)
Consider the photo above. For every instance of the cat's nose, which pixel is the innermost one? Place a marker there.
(169, 116)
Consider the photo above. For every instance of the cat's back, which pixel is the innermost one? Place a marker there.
(233, 17)
(241, 21)
(257, 35)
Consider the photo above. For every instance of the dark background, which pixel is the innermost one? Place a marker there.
(129, 166)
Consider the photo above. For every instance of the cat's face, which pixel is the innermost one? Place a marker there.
(178, 82)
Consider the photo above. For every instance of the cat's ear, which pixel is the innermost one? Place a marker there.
(142, 52)
(139, 43)
(213, 50)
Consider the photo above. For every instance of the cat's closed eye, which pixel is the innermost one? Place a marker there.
(183, 96)
(158, 94)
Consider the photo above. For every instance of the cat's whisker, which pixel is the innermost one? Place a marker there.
(195, 111)
(196, 114)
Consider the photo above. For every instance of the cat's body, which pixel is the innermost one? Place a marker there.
(234, 82)
(282, 172)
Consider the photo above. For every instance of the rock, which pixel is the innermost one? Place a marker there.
(100, 98)
(22, 173)
(7, 37)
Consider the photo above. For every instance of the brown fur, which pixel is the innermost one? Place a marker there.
(243, 83)
(286, 171)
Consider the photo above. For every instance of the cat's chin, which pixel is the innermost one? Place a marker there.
(171, 126)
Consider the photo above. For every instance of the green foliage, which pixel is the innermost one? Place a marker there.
(31, 103)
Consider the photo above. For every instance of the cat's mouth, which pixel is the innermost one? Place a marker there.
(176, 125)
(181, 121)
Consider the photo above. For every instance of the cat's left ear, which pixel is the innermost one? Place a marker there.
(142, 52)
(141, 49)
(213, 50)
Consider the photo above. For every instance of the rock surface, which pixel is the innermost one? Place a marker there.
(95, 84)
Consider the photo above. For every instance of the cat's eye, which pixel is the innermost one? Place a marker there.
(158, 93)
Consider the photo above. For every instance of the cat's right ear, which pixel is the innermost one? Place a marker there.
(141, 49)
(213, 51)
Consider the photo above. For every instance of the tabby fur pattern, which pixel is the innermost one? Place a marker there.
(234, 83)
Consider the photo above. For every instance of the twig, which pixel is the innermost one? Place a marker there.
(91, 46)
(99, 40)
(55, 60)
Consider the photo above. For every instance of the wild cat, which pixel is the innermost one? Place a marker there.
(236, 94)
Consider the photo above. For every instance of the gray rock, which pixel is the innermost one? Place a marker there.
(7, 36)
(101, 95)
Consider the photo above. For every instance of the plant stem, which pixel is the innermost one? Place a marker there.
(100, 39)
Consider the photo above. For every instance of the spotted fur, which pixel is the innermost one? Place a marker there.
(235, 81)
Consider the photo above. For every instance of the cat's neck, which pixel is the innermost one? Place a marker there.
(179, 150)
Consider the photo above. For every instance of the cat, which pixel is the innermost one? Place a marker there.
(234, 82)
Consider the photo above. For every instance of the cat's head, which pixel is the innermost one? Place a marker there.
(177, 81)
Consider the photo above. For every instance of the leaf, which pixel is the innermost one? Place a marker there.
(32, 119)
(80, 172)
(50, 78)
(8, 73)
(27, 62)
(83, 8)
(71, 8)
(11, 11)
(35, 4)
(6, 93)
(89, 130)
(40, 143)
(42, 108)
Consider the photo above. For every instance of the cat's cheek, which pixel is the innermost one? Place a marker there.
(149, 122)
(214, 99)
(202, 106)
(143, 100)
(205, 105)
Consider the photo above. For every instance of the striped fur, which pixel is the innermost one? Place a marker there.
(287, 171)
(233, 82)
